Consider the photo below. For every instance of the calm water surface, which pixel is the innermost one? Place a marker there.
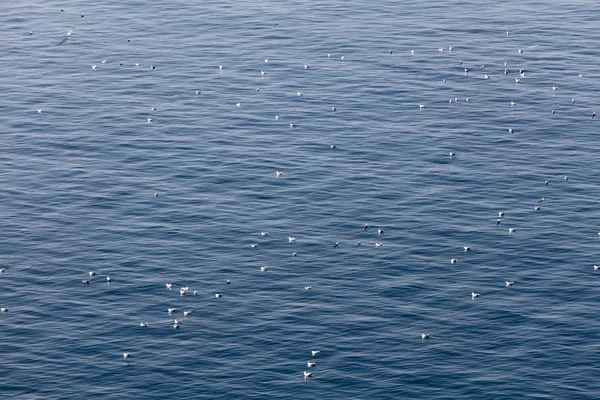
(78, 184)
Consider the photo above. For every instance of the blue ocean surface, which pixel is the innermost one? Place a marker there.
(168, 175)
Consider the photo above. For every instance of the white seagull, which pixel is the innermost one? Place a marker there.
(311, 364)
(126, 355)
(171, 310)
(218, 295)
(474, 295)
(511, 230)
(278, 174)
(509, 283)
(149, 120)
(264, 233)
(168, 285)
(307, 375)
(186, 313)
(307, 287)
(424, 336)
(293, 240)
(315, 352)
(4, 309)
(264, 268)
(144, 324)
(467, 248)
(453, 261)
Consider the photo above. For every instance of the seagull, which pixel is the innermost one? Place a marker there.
(171, 310)
(198, 93)
(263, 73)
(103, 62)
(453, 261)
(333, 109)
(485, 76)
(152, 67)
(300, 93)
(509, 283)
(378, 244)
(441, 49)
(594, 115)
(92, 274)
(311, 364)
(366, 226)
(266, 60)
(307, 287)
(294, 254)
(513, 104)
(332, 147)
(537, 208)
(264, 233)
(168, 285)
(30, 34)
(2, 270)
(264, 268)
(291, 240)
(390, 52)
(421, 106)
(554, 88)
(546, 183)
(581, 75)
(452, 154)
(220, 68)
(85, 282)
(218, 295)
(596, 267)
(336, 245)
(380, 231)
(510, 130)
(467, 248)
(328, 55)
(182, 292)
(315, 352)
(500, 214)
(253, 245)
(507, 33)
(67, 32)
(176, 326)
(474, 295)
(520, 51)
(292, 125)
(108, 280)
(277, 116)
(466, 71)
(424, 336)
(359, 243)
(93, 67)
(4, 309)
(195, 293)
(511, 230)
(342, 58)
(412, 52)
(541, 200)
(278, 174)
(186, 313)
(306, 66)
(137, 64)
(238, 104)
(307, 375)
(126, 355)
(553, 112)
(144, 324)
(149, 120)
(572, 101)
(450, 48)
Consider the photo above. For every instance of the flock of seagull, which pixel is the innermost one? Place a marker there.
(177, 321)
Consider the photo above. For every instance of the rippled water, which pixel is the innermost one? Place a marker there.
(78, 184)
